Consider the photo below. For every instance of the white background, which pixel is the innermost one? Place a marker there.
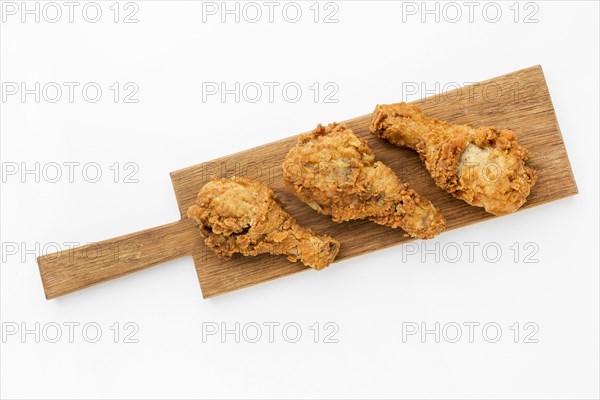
(370, 54)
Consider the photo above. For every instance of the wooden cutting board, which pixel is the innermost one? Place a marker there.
(519, 101)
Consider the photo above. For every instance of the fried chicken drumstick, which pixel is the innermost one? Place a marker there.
(335, 173)
(483, 166)
(240, 216)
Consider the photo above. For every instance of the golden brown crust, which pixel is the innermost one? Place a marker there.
(483, 166)
(335, 173)
(241, 216)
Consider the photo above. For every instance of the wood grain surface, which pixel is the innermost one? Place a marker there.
(77, 268)
(519, 101)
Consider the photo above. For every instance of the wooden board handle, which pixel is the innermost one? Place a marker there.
(77, 268)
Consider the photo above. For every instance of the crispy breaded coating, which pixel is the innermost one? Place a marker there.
(335, 173)
(240, 216)
(483, 166)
